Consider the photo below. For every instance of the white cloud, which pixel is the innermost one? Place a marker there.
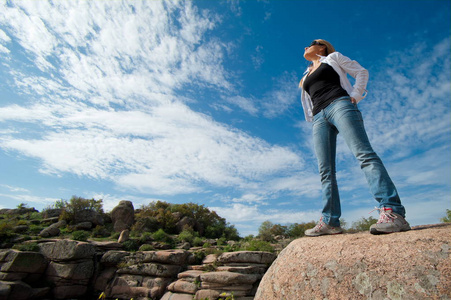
(245, 104)
(282, 97)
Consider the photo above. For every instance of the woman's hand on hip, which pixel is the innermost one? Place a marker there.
(353, 101)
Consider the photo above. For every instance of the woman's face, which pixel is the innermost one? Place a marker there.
(311, 52)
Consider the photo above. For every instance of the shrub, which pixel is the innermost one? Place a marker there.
(186, 236)
(77, 205)
(100, 231)
(363, 224)
(27, 247)
(130, 245)
(6, 231)
(145, 237)
(256, 245)
(447, 218)
(115, 235)
(35, 229)
(198, 242)
(80, 235)
(146, 247)
(161, 236)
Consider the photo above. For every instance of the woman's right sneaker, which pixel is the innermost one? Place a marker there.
(389, 222)
(322, 228)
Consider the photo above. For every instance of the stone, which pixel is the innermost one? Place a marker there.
(83, 226)
(190, 275)
(185, 246)
(228, 278)
(5, 290)
(182, 286)
(151, 269)
(104, 278)
(209, 259)
(173, 256)
(24, 262)
(69, 291)
(16, 290)
(206, 294)
(88, 215)
(51, 213)
(52, 230)
(64, 250)
(408, 265)
(176, 296)
(113, 258)
(125, 236)
(258, 257)
(244, 269)
(79, 271)
(123, 216)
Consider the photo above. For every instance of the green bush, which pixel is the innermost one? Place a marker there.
(256, 245)
(198, 242)
(145, 237)
(115, 235)
(27, 247)
(146, 247)
(35, 229)
(131, 245)
(80, 235)
(363, 224)
(100, 231)
(76, 205)
(163, 237)
(159, 235)
(186, 236)
(447, 218)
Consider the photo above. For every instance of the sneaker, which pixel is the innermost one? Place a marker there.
(322, 228)
(389, 222)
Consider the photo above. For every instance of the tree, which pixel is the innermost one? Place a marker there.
(363, 224)
(264, 231)
(447, 218)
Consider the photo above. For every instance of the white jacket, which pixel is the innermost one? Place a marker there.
(342, 65)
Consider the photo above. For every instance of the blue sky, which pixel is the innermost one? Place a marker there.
(197, 101)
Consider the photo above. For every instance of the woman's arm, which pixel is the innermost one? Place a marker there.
(360, 74)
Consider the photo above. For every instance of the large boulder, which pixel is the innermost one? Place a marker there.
(88, 215)
(52, 230)
(409, 265)
(65, 250)
(123, 216)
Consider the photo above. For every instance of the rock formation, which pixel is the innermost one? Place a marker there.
(123, 216)
(231, 273)
(409, 265)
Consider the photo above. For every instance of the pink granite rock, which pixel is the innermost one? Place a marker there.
(409, 265)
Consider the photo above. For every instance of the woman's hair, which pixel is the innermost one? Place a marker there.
(329, 47)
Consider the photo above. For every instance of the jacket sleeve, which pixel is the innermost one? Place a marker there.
(360, 74)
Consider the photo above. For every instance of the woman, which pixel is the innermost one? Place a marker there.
(330, 102)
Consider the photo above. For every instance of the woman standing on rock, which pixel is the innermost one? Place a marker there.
(330, 102)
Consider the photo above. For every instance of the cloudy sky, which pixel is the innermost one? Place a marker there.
(197, 101)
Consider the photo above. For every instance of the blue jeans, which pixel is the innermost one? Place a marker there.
(342, 116)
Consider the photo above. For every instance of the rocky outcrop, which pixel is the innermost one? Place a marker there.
(21, 275)
(70, 268)
(141, 274)
(231, 273)
(409, 265)
(123, 216)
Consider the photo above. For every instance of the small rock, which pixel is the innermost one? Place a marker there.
(125, 236)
